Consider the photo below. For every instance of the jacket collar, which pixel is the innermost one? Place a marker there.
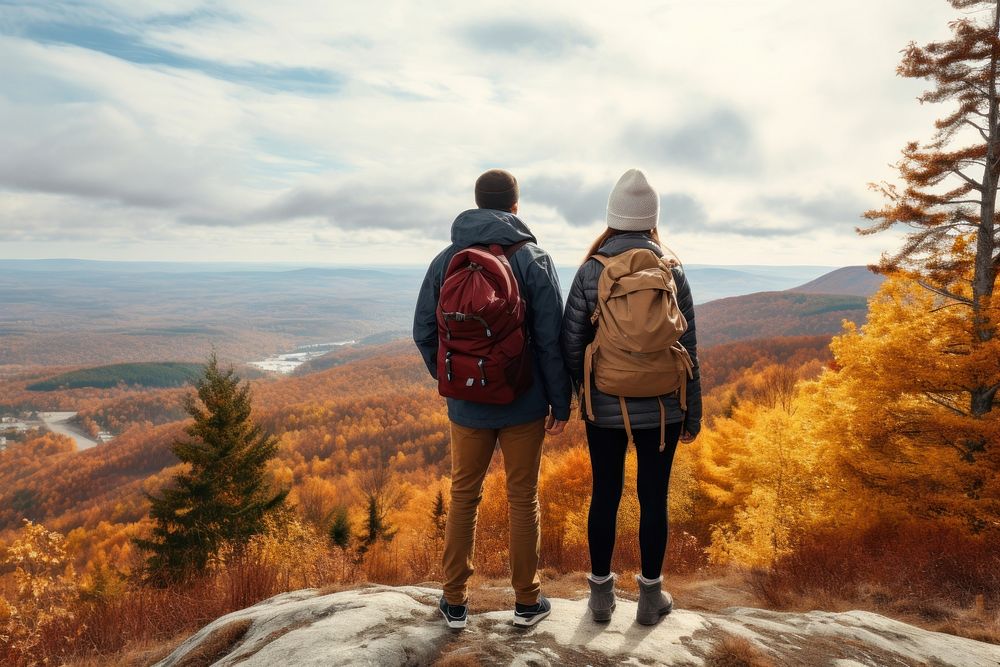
(619, 243)
(485, 226)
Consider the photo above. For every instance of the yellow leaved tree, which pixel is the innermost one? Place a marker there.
(40, 601)
(890, 413)
(925, 372)
(763, 475)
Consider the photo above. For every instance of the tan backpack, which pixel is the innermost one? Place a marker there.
(636, 351)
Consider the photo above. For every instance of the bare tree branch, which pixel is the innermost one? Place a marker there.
(948, 305)
(946, 293)
(982, 130)
(944, 404)
(975, 185)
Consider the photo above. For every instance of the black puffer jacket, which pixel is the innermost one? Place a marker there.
(578, 332)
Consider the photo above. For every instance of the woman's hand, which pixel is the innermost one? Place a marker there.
(687, 438)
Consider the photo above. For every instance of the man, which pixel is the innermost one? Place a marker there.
(519, 426)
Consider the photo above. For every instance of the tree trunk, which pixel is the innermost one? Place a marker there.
(982, 401)
(984, 275)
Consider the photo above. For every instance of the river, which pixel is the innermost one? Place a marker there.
(58, 422)
(289, 361)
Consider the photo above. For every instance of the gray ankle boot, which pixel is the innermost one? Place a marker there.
(602, 599)
(654, 604)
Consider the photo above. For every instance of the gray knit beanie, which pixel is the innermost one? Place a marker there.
(633, 206)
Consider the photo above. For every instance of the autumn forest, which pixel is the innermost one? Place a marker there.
(850, 456)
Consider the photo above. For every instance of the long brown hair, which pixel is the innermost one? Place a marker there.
(608, 233)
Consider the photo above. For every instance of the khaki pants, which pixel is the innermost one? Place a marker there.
(471, 452)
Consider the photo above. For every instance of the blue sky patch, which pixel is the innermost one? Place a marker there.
(133, 49)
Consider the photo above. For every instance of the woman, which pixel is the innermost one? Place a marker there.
(654, 423)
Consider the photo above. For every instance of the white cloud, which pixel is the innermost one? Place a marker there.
(760, 123)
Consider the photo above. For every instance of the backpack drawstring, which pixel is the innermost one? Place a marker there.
(588, 366)
(628, 424)
(663, 424)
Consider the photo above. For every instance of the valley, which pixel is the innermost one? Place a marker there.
(273, 322)
(74, 312)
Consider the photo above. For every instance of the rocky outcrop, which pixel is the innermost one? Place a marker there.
(387, 626)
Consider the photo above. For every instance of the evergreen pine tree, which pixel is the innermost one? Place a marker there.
(340, 529)
(380, 496)
(222, 498)
(376, 525)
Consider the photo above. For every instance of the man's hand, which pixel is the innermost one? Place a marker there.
(687, 438)
(554, 426)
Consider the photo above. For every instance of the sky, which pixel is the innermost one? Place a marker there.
(352, 133)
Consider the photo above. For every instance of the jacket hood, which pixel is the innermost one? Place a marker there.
(485, 226)
(619, 243)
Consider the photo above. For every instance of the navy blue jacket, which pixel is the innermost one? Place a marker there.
(536, 276)
(578, 332)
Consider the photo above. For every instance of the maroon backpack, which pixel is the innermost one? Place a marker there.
(482, 339)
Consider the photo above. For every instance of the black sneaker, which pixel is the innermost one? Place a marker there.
(454, 614)
(526, 615)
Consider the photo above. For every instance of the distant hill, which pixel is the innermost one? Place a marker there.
(76, 313)
(854, 280)
(723, 363)
(710, 282)
(167, 374)
(771, 314)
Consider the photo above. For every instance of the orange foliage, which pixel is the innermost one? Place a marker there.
(333, 425)
(755, 488)
(721, 364)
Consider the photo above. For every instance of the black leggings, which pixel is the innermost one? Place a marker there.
(607, 461)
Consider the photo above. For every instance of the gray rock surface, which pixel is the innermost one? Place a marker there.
(387, 626)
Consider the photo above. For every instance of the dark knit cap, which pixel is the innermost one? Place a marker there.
(496, 189)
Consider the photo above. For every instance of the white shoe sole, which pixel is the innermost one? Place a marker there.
(454, 625)
(528, 622)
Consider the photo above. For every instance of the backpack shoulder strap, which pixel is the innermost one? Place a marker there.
(509, 251)
(602, 259)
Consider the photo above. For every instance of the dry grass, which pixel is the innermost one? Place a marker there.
(218, 644)
(936, 577)
(460, 658)
(929, 614)
(129, 627)
(972, 628)
(337, 587)
(734, 651)
(711, 589)
(943, 565)
(136, 654)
